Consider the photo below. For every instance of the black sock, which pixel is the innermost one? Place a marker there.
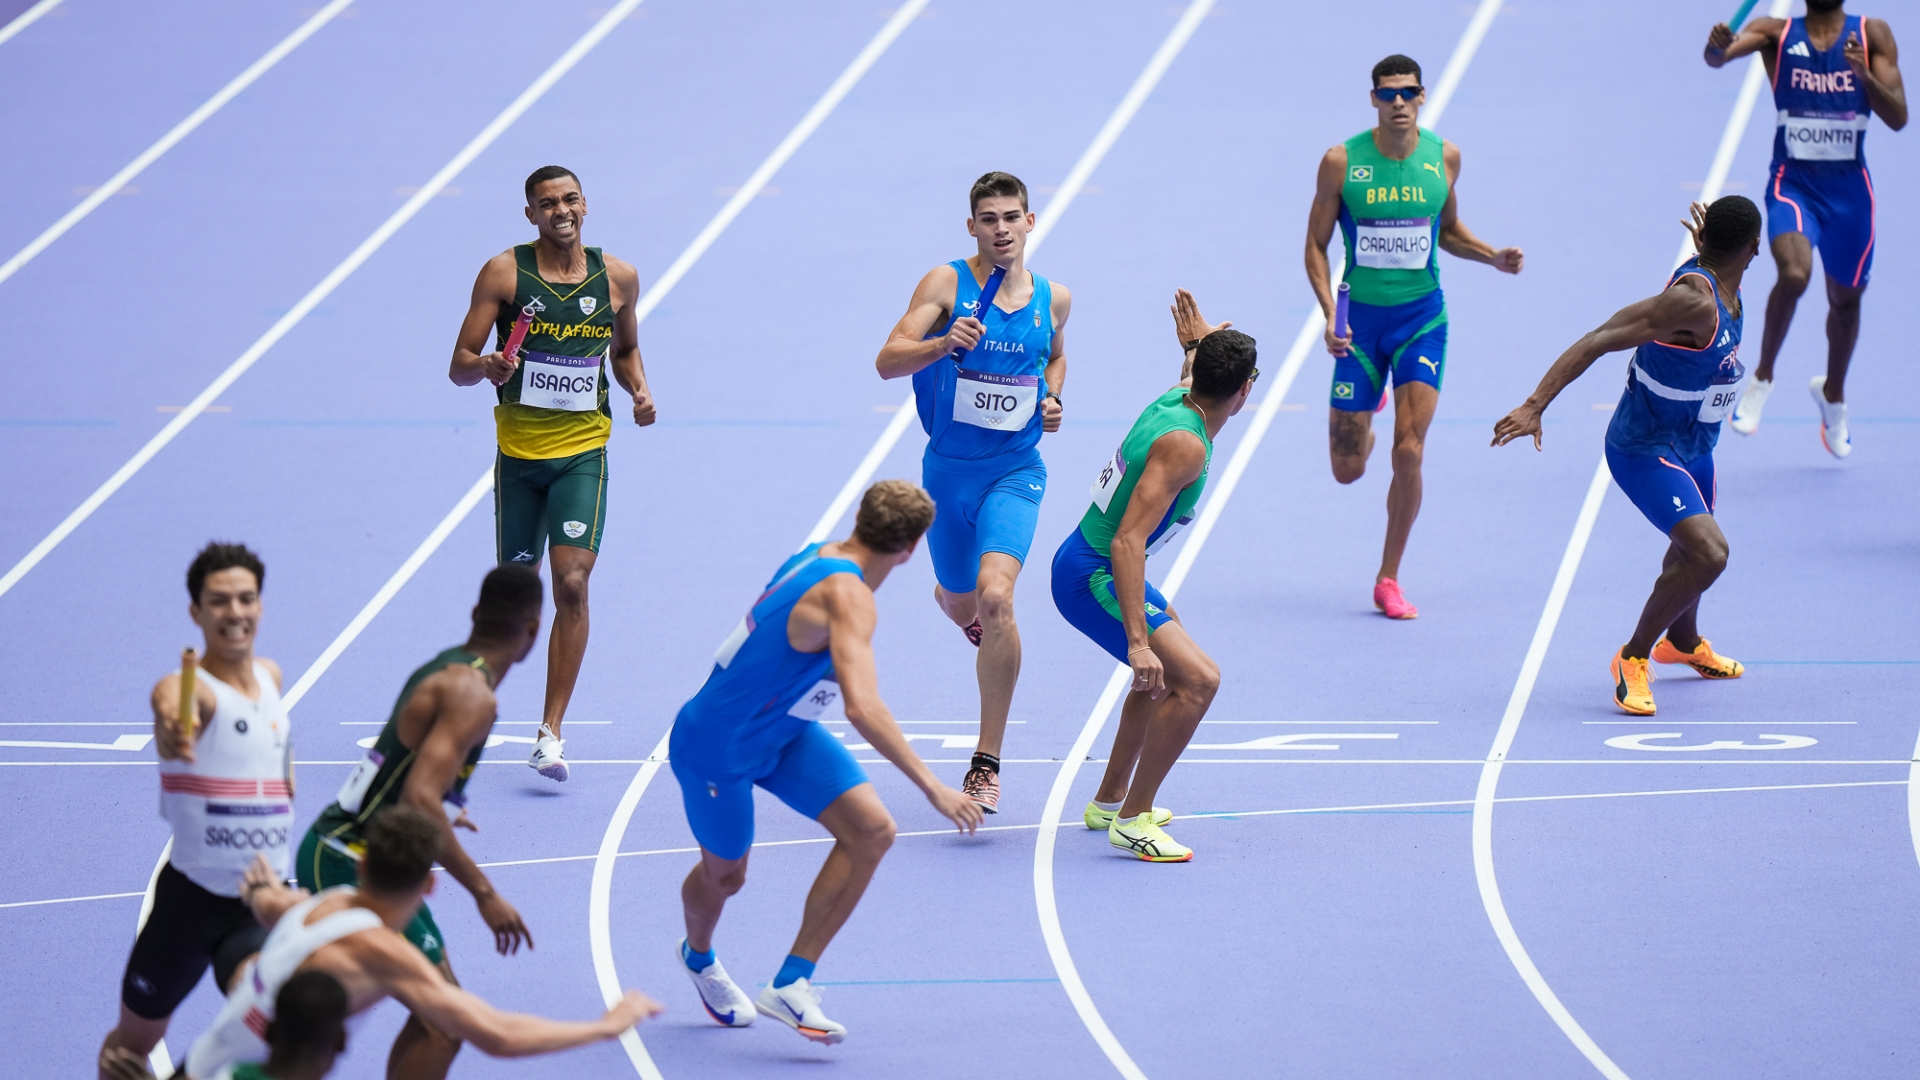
(986, 761)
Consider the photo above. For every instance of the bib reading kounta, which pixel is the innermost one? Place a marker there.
(555, 404)
(1823, 106)
(1390, 220)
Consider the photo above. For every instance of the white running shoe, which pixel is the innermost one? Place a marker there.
(797, 1005)
(1833, 419)
(547, 758)
(1746, 415)
(722, 997)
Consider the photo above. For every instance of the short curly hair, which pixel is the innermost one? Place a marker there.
(893, 514)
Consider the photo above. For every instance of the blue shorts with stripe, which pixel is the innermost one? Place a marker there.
(1834, 210)
(1083, 591)
(1664, 488)
(1405, 342)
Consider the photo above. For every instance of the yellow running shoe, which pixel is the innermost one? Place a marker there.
(1710, 664)
(1140, 837)
(1097, 818)
(1632, 684)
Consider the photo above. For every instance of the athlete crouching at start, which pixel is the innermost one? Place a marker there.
(805, 642)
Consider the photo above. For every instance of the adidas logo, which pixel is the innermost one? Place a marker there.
(1800, 49)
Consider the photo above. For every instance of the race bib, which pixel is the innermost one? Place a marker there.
(1821, 136)
(1173, 529)
(1393, 243)
(567, 383)
(1108, 481)
(995, 402)
(354, 791)
(821, 702)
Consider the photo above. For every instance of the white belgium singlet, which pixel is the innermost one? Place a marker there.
(239, 1033)
(235, 799)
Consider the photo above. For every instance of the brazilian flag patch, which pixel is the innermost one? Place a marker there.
(1343, 391)
(1361, 174)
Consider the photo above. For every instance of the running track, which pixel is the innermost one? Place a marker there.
(1753, 932)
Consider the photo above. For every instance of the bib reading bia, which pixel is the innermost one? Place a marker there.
(1819, 184)
(1083, 567)
(1390, 223)
(553, 420)
(332, 848)
(982, 464)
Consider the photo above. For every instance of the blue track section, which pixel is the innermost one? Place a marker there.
(1690, 929)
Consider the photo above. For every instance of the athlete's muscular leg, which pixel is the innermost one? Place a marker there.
(135, 1033)
(1843, 329)
(862, 832)
(567, 645)
(1793, 260)
(1128, 738)
(1163, 728)
(1349, 443)
(1694, 560)
(421, 1052)
(706, 891)
(998, 665)
(1413, 407)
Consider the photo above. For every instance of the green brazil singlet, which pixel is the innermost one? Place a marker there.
(1390, 220)
(555, 404)
(1113, 488)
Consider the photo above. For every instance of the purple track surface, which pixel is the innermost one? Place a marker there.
(1761, 927)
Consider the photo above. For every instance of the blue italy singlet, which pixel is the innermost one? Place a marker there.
(1823, 106)
(1676, 397)
(762, 692)
(987, 405)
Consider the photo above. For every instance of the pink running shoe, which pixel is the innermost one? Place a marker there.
(975, 632)
(1388, 598)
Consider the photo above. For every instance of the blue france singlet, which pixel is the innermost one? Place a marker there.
(1676, 397)
(762, 692)
(987, 404)
(1823, 107)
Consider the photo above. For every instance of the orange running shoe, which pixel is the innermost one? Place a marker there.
(1632, 684)
(1710, 664)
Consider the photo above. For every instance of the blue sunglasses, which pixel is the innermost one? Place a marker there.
(1385, 94)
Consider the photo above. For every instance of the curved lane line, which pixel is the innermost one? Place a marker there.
(180, 131)
(1485, 793)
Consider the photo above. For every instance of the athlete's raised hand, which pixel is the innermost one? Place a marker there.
(1149, 675)
(957, 808)
(1509, 260)
(1188, 324)
(505, 923)
(497, 368)
(1519, 423)
(630, 1010)
(965, 333)
(1699, 220)
(643, 407)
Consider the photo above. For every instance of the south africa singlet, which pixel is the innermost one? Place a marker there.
(1823, 107)
(987, 404)
(1390, 220)
(555, 403)
(1113, 487)
(1676, 397)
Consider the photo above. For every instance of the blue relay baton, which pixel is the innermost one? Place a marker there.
(1340, 327)
(987, 292)
(1740, 16)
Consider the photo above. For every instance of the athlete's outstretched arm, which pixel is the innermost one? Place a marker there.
(905, 352)
(169, 738)
(1456, 239)
(1885, 89)
(263, 891)
(850, 620)
(1758, 35)
(463, 709)
(628, 370)
(1175, 461)
(1321, 218)
(494, 287)
(1686, 308)
(1051, 407)
(1189, 326)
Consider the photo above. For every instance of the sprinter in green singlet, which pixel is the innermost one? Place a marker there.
(423, 757)
(553, 417)
(1142, 497)
(1390, 190)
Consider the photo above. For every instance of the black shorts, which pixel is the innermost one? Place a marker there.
(188, 929)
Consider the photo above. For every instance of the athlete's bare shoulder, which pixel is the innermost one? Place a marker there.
(498, 278)
(273, 669)
(624, 279)
(1333, 171)
(1450, 155)
(1879, 35)
(938, 283)
(1062, 304)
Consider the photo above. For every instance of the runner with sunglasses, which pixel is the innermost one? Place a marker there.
(1390, 190)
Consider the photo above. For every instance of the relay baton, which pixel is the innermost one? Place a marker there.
(987, 292)
(520, 327)
(1740, 16)
(189, 705)
(1340, 328)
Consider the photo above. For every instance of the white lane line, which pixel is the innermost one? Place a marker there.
(25, 19)
(1484, 796)
(180, 131)
(1913, 799)
(600, 892)
(325, 288)
(1656, 762)
(1045, 901)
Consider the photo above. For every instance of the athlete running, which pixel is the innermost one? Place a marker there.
(354, 933)
(1831, 72)
(553, 418)
(1681, 384)
(307, 1033)
(1141, 499)
(806, 642)
(423, 757)
(1391, 191)
(986, 384)
(226, 788)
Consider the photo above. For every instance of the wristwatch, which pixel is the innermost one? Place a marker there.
(1056, 398)
(1192, 345)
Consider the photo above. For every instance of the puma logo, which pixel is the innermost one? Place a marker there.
(1431, 364)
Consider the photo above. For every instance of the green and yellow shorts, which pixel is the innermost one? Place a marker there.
(558, 501)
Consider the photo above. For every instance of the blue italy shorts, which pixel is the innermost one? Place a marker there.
(1835, 212)
(808, 774)
(1665, 489)
(1083, 591)
(1407, 341)
(987, 505)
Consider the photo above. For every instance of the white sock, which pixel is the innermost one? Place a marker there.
(1110, 807)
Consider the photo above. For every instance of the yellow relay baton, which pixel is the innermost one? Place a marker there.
(189, 707)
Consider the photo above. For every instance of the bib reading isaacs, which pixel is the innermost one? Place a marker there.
(555, 403)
